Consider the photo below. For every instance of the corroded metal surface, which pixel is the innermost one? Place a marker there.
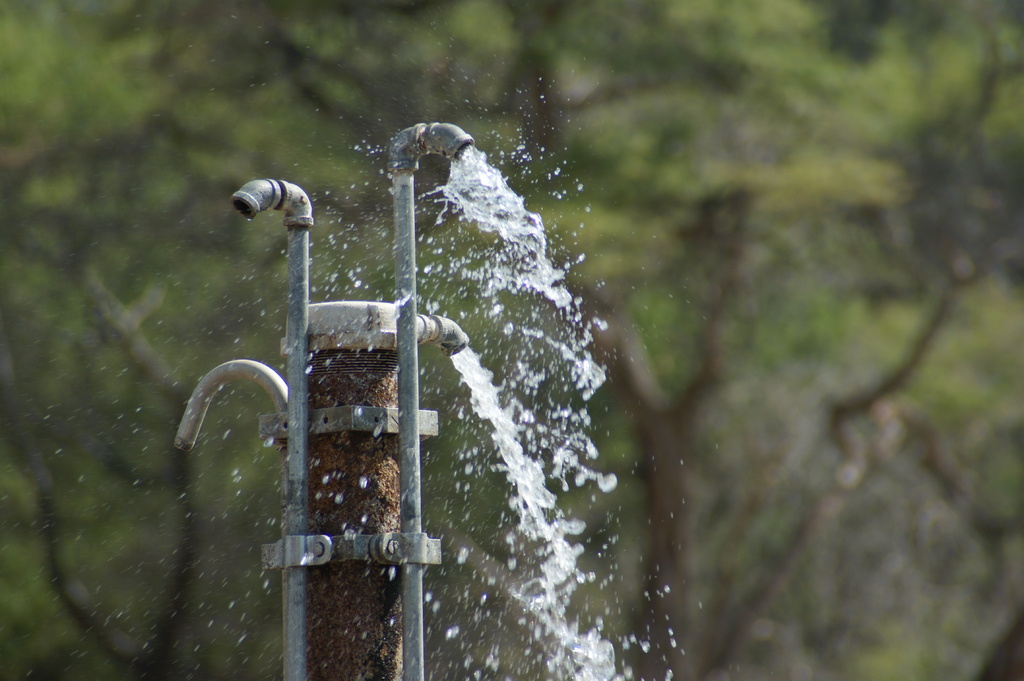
(354, 617)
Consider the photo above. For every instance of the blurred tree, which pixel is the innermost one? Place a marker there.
(802, 226)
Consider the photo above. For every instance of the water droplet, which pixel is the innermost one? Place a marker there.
(574, 526)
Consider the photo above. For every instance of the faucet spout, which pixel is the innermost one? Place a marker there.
(210, 385)
(442, 332)
(443, 139)
(259, 195)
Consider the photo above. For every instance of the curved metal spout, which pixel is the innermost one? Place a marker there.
(442, 332)
(210, 385)
(443, 139)
(259, 195)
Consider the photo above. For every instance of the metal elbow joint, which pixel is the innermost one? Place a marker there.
(210, 385)
(443, 139)
(259, 195)
(442, 332)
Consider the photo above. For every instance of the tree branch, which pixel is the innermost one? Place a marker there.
(857, 458)
(728, 569)
(937, 461)
(125, 323)
(154, 660)
(860, 402)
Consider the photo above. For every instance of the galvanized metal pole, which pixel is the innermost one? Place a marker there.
(294, 478)
(406, 148)
(253, 198)
(408, 418)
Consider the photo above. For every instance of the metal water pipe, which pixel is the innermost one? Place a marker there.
(253, 198)
(407, 147)
(211, 384)
(356, 517)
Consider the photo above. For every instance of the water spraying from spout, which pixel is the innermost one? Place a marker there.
(523, 265)
(542, 525)
(410, 144)
(485, 199)
(442, 332)
(539, 341)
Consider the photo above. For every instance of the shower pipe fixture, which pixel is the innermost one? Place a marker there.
(254, 198)
(313, 333)
(407, 147)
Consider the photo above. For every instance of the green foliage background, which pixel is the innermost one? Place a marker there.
(774, 195)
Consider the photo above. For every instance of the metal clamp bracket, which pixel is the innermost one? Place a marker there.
(398, 548)
(296, 550)
(391, 548)
(376, 420)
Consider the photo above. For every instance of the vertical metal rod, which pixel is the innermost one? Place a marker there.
(294, 496)
(255, 197)
(408, 418)
(406, 148)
